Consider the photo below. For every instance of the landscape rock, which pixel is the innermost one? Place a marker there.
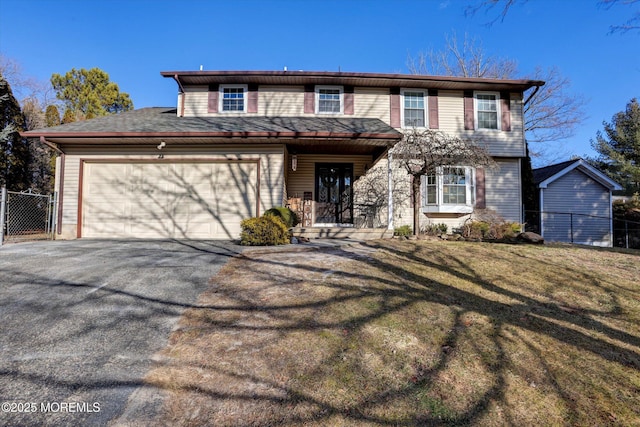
(530, 237)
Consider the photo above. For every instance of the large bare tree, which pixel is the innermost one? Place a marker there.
(552, 113)
(425, 151)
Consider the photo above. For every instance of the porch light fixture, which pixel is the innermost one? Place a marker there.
(294, 162)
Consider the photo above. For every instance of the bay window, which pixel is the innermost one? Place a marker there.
(449, 190)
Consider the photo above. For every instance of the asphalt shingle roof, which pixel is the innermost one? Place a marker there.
(165, 120)
(546, 172)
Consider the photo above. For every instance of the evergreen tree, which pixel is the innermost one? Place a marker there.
(619, 148)
(88, 94)
(51, 116)
(14, 150)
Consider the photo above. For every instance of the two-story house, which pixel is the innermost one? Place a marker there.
(240, 142)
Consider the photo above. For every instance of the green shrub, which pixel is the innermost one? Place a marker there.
(487, 230)
(266, 230)
(288, 217)
(403, 230)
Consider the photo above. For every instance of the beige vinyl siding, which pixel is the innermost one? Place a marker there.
(498, 143)
(372, 103)
(70, 197)
(271, 161)
(273, 101)
(588, 200)
(196, 101)
(288, 101)
(303, 178)
(503, 190)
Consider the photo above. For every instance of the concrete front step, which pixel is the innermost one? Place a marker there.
(342, 233)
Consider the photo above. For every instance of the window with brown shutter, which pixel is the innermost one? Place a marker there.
(505, 106)
(469, 122)
(394, 99)
(212, 104)
(433, 109)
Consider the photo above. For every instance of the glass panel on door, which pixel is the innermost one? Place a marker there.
(334, 193)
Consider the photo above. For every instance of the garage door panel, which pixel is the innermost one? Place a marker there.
(151, 229)
(194, 200)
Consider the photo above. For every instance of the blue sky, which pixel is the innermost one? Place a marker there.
(133, 40)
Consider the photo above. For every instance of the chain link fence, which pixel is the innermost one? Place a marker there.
(26, 216)
(626, 234)
(584, 229)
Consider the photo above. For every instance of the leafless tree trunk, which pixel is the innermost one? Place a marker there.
(422, 151)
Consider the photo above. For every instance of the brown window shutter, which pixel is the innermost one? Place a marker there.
(252, 99)
(505, 108)
(395, 107)
(469, 121)
(480, 199)
(433, 109)
(309, 99)
(348, 100)
(213, 98)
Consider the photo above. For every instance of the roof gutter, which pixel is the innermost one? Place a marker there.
(51, 145)
(182, 94)
(537, 88)
(220, 134)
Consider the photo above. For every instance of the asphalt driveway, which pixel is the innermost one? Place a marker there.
(81, 320)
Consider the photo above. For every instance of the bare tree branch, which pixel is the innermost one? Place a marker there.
(489, 5)
(423, 151)
(469, 61)
(632, 24)
(552, 114)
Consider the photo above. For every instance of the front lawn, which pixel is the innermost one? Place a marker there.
(411, 333)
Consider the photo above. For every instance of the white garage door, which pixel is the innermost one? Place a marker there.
(167, 200)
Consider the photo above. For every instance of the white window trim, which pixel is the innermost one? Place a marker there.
(425, 97)
(245, 91)
(498, 112)
(340, 88)
(439, 206)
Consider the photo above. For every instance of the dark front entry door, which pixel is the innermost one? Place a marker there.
(334, 193)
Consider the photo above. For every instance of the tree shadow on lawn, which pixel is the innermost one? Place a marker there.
(407, 336)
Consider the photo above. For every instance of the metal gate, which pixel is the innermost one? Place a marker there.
(26, 216)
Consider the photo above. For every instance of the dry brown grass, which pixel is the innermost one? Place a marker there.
(411, 333)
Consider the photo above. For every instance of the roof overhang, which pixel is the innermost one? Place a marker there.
(202, 78)
(135, 138)
(588, 170)
(152, 125)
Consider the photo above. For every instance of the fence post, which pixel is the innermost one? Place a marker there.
(3, 211)
(571, 220)
(626, 234)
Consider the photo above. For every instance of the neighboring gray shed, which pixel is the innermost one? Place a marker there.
(575, 203)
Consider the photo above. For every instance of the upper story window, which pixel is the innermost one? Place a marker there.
(233, 98)
(487, 111)
(450, 190)
(413, 109)
(329, 99)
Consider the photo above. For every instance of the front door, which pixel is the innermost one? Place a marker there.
(334, 193)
